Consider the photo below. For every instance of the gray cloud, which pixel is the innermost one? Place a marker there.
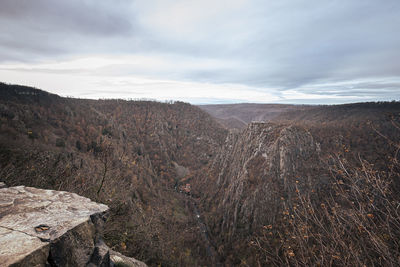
(43, 28)
(85, 17)
(313, 47)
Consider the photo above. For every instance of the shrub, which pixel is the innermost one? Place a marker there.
(355, 222)
(60, 142)
(107, 131)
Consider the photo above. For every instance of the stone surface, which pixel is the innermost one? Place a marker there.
(36, 223)
(118, 258)
(101, 255)
(53, 228)
(2, 185)
(23, 208)
(20, 249)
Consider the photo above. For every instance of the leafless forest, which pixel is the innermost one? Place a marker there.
(306, 186)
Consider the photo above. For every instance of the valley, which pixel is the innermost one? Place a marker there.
(255, 185)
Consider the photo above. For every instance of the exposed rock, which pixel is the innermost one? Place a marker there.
(20, 249)
(101, 255)
(253, 171)
(2, 185)
(118, 258)
(50, 228)
(181, 171)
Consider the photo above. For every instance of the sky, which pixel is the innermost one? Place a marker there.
(205, 51)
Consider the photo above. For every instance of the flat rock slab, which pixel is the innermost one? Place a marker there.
(16, 247)
(31, 219)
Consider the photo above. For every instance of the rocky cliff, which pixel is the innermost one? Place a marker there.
(53, 228)
(252, 174)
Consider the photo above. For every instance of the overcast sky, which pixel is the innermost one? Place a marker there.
(205, 51)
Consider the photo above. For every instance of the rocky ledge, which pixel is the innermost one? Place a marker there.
(53, 228)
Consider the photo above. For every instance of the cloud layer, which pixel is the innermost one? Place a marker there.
(297, 51)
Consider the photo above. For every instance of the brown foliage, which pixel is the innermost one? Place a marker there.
(117, 152)
(353, 222)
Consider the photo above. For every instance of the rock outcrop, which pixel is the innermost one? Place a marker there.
(253, 172)
(51, 228)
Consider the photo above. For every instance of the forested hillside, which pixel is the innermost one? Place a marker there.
(129, 155)
(317, 186)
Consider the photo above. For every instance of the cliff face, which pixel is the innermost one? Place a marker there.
(51, 228)
(251, 175)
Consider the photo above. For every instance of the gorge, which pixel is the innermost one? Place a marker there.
(259, 193)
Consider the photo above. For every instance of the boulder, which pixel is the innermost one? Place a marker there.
(51, 228)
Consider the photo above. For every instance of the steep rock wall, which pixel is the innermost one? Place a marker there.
(252, 173)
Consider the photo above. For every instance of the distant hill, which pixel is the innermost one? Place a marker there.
(237, 116)
(345, 112)
(357, 126)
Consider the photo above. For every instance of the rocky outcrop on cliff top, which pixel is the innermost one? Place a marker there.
(51, 228)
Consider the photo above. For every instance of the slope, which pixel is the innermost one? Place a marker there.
(125, 154)
(297, 190)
